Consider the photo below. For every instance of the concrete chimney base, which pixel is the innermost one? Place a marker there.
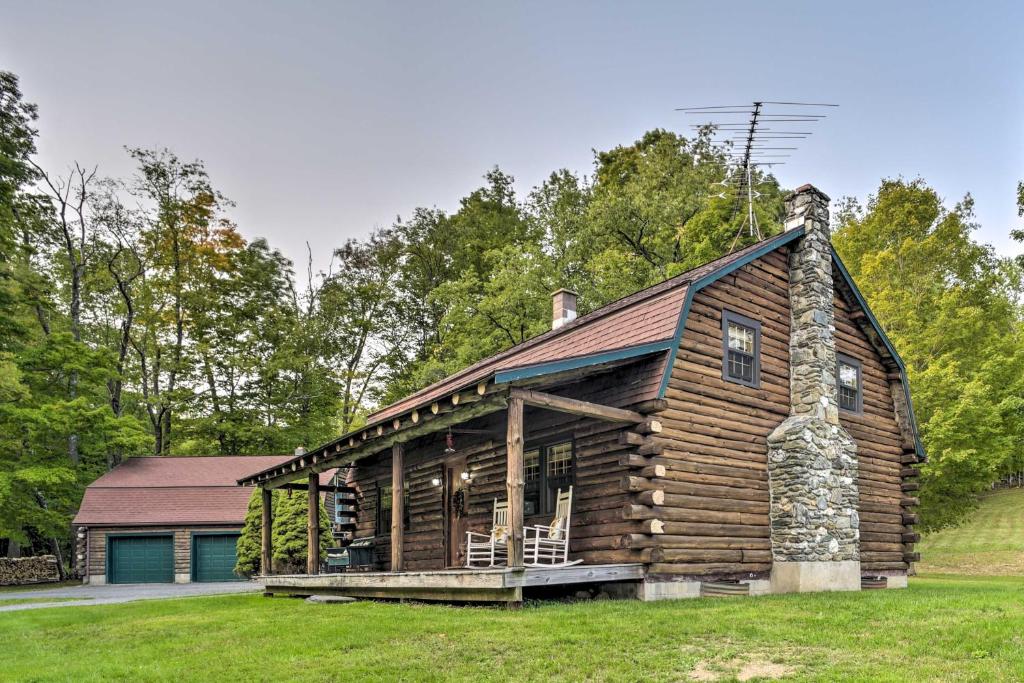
(810, 577)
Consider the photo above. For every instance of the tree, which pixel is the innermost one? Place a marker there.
(357, 327)
(187, 243)
(249, 549)
(291, 512)
(949, 304)
(654, 212)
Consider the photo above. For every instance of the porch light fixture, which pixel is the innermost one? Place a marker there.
(436, 481)
(464, 476)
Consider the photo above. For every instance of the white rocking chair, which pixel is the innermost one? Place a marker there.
(490, 549)
(548, 546)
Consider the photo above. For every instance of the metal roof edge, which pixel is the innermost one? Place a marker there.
(550, 367)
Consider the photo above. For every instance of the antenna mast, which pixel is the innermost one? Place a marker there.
(752, 134)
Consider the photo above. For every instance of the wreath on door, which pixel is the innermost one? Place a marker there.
(459, 503)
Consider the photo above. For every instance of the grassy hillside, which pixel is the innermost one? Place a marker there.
(992, 542)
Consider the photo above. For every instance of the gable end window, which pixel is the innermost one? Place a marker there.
(547, 468)
(848, 384)
(741, 349)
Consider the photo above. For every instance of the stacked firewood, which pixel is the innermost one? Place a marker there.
(23, 570)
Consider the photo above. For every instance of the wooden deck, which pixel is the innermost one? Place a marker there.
(450, 585)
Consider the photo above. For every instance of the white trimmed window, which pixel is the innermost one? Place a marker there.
(848, 384)
(741, 349)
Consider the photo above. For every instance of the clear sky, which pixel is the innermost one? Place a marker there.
(324, 120)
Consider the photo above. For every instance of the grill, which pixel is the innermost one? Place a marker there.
(361, 555)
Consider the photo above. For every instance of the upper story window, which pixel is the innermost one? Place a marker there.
(741, 349)
(547, 469)
(848, 383)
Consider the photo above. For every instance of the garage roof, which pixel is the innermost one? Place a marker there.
(174, 491)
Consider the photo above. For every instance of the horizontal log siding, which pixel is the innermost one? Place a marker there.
(599, 519)
(715, 432)
(879, 448)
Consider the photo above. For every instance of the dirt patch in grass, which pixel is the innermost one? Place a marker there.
(741, 669)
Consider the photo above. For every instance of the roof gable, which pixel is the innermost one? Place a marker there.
(175, 491)
(644, 322)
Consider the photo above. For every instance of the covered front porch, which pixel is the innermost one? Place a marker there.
(423, 554)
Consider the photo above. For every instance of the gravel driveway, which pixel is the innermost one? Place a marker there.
(105, 595)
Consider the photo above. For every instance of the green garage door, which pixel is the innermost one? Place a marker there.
(140, 559)
(213, 557)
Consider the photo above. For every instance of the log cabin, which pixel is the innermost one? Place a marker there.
(744, 427)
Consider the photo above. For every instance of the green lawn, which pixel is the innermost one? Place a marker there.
(941, 628)
(21, 601)
(991, 543)
(38, 586)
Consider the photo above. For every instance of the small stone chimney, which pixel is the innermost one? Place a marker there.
(300, 450)
(812, 460)
(563, 307)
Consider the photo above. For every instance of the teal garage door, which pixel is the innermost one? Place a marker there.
(213, 557)
(140, 559)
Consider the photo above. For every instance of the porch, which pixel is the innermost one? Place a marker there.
(423, 475)
(499, 584)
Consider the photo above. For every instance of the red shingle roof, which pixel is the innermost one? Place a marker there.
(645, 320)
(174, 491)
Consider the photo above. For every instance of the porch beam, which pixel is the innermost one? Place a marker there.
(427, 425)
(397, 505)
(266, 496)
(575, 406)
(515, 481)
(303, 486)
(313, 526)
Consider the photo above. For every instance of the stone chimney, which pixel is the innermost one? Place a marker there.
(812, 460)
(300, 450)
(563, 308)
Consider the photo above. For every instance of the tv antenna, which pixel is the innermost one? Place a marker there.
(753, 135)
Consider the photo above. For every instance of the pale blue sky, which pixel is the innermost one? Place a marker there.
(323, 120)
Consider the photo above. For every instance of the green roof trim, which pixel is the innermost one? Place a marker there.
(539, 369)
(768, 246)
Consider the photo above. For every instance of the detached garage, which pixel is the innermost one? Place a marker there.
(165, 519)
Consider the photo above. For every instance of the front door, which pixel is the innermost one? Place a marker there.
(455, 504)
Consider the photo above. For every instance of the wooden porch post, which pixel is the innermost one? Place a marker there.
(313, 526)
(397, 506)
(266, 529)
(515, 482)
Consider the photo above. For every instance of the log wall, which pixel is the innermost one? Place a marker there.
(715, 432)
